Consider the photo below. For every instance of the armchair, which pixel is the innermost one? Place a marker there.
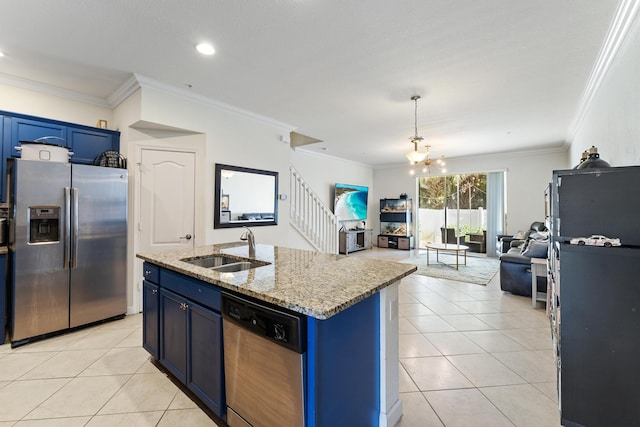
(449, 236)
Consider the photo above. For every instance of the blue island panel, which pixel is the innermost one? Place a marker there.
(343, 367)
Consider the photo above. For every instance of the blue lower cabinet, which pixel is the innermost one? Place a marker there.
(189, 337)
(173, 334)
(3, 295)
(151, 318)
(205, 366)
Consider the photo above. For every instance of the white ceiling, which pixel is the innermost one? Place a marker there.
(494, 75)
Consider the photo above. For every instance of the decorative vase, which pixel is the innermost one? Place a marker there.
(594, 161)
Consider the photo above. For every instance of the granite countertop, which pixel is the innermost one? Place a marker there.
(315, 284)
(4, 250)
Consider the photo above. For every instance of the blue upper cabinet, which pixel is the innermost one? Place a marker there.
(87, 144)
(35, 130)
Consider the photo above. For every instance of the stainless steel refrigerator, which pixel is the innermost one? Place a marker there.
(67, 247)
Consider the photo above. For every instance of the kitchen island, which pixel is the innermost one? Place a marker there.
(350, 360)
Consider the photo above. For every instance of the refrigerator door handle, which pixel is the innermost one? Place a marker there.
(67, 227)
(74, 247)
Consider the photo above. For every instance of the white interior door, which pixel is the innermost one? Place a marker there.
(167, 196)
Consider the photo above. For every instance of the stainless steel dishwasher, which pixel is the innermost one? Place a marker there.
(263, 350)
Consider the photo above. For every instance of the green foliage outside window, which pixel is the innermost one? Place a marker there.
(440, 191)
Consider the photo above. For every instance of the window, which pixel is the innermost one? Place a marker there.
(454, 202)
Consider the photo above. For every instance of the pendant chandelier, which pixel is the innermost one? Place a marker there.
(416, 155)
(427, 162)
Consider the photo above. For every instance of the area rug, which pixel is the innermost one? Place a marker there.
(479, 270)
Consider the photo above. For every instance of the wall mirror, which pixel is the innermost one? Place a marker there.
(245, 197)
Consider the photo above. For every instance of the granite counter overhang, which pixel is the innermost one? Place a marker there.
(315, 284)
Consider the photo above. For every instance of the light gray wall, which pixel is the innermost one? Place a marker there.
(322, 173)
(232, 139)
(35, 103)
(612, 122)
(527, 177)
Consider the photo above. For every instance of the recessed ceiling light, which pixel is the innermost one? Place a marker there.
(205, 49)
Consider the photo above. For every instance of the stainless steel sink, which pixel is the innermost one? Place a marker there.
(212, 261)
(223, 263)
(236, 266)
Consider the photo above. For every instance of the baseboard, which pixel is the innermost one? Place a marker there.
(391, 418)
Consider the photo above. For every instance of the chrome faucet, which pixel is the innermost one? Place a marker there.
(248, 235)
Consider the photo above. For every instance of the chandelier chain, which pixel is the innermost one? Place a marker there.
(416, 117)
(415, 138)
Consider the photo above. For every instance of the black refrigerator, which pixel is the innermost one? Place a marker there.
(596, 296)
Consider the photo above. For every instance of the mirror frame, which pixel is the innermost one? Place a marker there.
(217, 198)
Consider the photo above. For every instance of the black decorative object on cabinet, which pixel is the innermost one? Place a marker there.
(396, 224)
(595, 298)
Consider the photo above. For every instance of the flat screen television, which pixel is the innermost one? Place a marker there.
(351, 202)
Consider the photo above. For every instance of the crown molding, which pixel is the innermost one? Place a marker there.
(133, 83)
(620, 26)
(308, 152)
(125, 90)
(492, 155)
(35, 86)
(139, 81)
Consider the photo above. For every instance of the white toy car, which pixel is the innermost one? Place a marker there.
(595, 240)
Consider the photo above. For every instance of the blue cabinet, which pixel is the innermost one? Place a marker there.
(341, 368)
(205, 365)
(183, 330)
(23, 129)
(5, 135)
(87, 144)
(3, 296)
(151, 318)
(173, 333)
(84, 141)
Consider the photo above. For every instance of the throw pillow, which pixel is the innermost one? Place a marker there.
(520, 235)
(539, 235)
(536, 249)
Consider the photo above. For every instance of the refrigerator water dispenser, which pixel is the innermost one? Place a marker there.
(44, 224)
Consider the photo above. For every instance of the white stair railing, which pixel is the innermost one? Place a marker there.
(313, 220)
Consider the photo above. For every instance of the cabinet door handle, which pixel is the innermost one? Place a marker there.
(184, 305)
(147, 272)
(154, 291)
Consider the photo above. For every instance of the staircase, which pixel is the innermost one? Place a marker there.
(310, 217)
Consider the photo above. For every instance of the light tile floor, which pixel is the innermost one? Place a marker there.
(470, 355)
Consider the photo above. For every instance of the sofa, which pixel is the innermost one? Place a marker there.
(256, 216)
(515, 263)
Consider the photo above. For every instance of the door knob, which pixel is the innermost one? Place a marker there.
(188, 237)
